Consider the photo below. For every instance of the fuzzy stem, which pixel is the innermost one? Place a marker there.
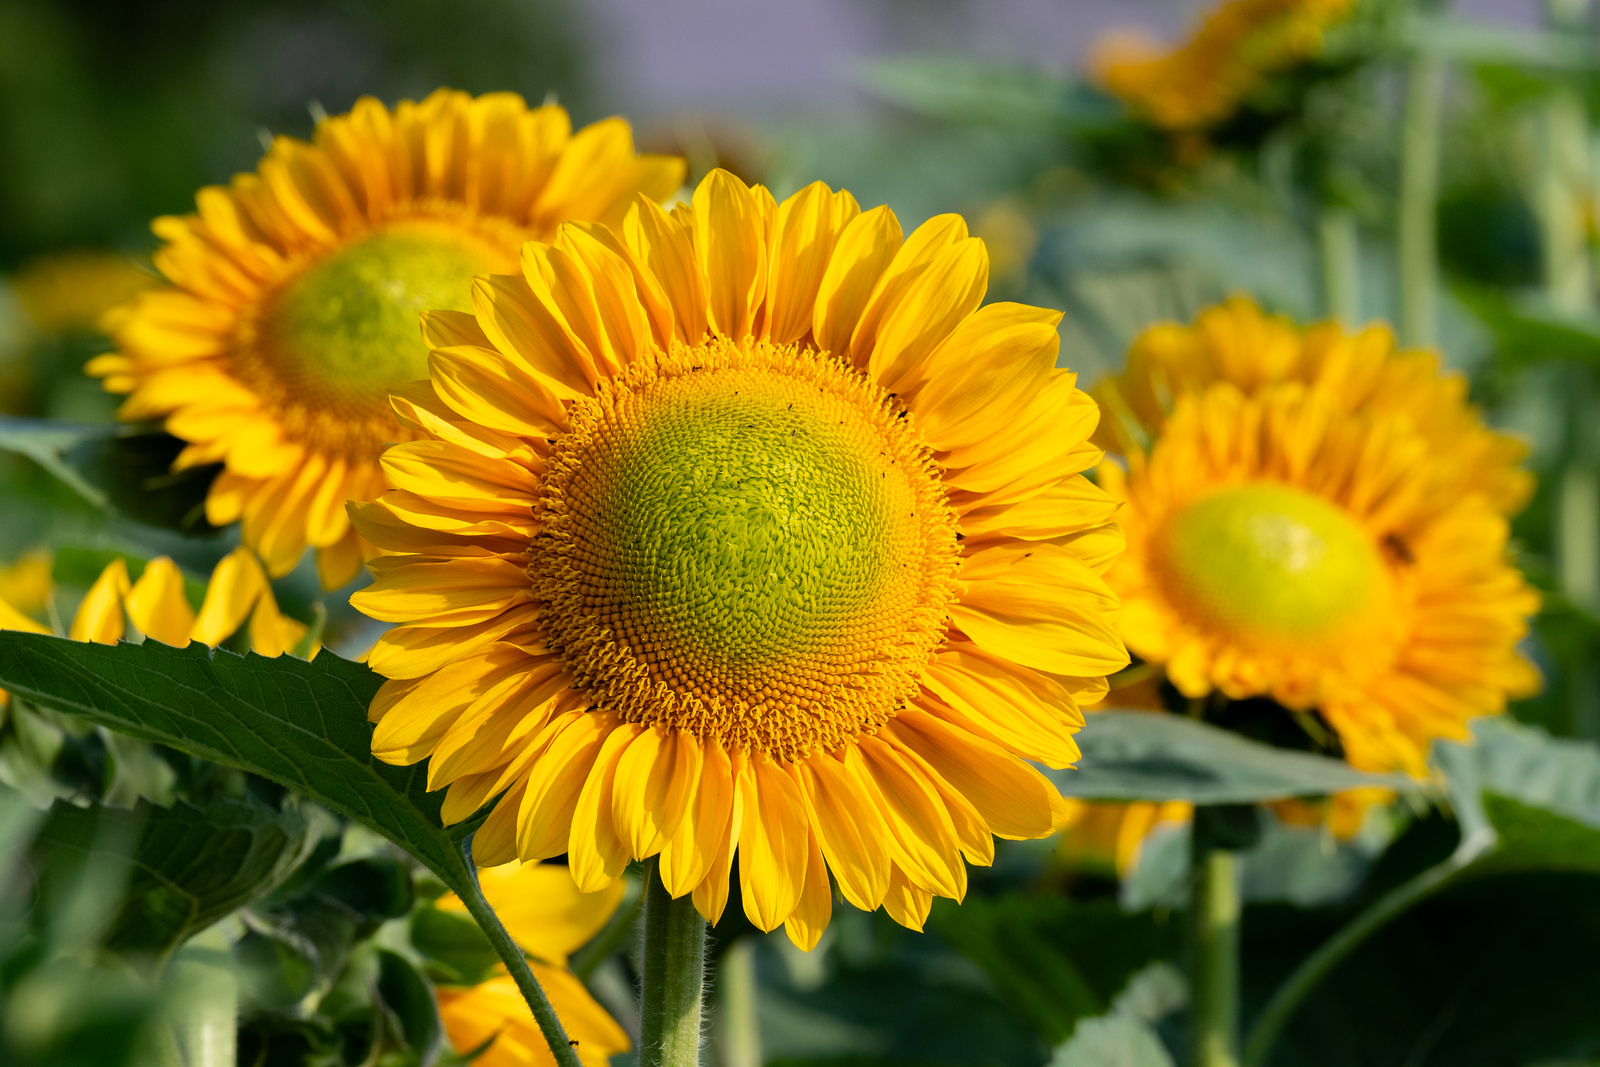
(1213, 955)
(672, 985)
(739, 1031)
(1341, 277)
(516, 963)
(1419, 193)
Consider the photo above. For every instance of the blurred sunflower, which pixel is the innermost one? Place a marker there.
(1202, 82)
(157, 604)
(71, 290)
(549, 919)
(295, 293)
(1318, 518)
(745, 528)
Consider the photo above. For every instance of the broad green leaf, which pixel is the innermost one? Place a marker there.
(966, 90)
(303, 725)
(1140, 755)
(1112, 1041)
(189, 866)
(407, 994)
(1054, 960)
(48, 442)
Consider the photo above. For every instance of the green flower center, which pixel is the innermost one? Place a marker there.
(348, 326)
(753, 544)
(1271, 561)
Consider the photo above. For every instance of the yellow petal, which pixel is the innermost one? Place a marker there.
(850, 829)
(772, 843)
(810, 916)
(157, 604)
(555, 779)
(99, 617)
(906, 903)
(236, 583)
(711, 893)
(863, 252)
(807, 228)
(542, 908)
(922, 835)
(688, 855)
(596, 853)
(1013, 798)
(730, 243)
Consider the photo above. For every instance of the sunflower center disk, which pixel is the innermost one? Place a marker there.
(751, 545)
(1273, 562)
(344, 332)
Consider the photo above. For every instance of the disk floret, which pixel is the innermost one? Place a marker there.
(748, 542)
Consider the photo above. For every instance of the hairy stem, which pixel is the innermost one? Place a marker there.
(516, 963)
(673, 979)
(1419, 194)
(1214, 956)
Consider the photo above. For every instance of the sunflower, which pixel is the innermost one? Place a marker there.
(1318, 518)
(548, 918)
(1105, 836)
(744, 531)
(1202, 82)
(157, 604)
(295, 293)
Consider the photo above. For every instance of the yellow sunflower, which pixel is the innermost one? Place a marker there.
(1202, 82)
(1319, 518)
(295, 293)
(157, 604)
(743, 530)
(549, 918)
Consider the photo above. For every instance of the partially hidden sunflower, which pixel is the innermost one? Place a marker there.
(1201, 82)
(1319, 518)
(157, 604)
(549, 919)
(295, 292)
(744, 531)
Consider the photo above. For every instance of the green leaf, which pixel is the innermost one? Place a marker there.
(1529, 331)
(48, 442)
(456, 950)
(1054, 960)
(408, 995)
(190, 866)
(1140, 755)
(967, 90)
(1112, 1041)
(303, 725)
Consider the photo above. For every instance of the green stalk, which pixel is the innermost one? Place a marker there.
(1419, 194)
(1281, 1008)
(1341, 277)
(739, 1031)
(1213, 954)
(516, 963)
(672, 985)
(206, 1002)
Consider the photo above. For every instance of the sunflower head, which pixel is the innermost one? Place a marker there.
(1316, 517)
(295, 292)
(743, 532)
(1201, 82)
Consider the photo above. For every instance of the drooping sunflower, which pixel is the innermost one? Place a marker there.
(1317, 517)
(1201, 82)
(549, 919)
(745, 531)
(295, 292)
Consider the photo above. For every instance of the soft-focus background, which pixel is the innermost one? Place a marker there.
(114, 113)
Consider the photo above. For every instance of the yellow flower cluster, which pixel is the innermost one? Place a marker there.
(1202, 82)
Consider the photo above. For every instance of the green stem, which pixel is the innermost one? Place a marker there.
(1281, 1008)
(1419, 193)
(740, 1031)
(516, 963)
(672, 985)
(609, 940)
(207, 1002)
(1341, 277)
(1213, 955)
